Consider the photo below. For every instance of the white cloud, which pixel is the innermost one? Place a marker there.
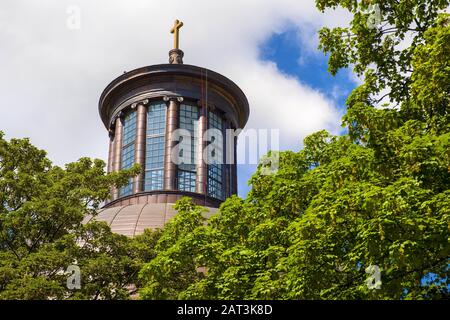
(51, 77)
(279, 101)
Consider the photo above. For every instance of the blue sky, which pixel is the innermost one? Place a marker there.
(286, 51)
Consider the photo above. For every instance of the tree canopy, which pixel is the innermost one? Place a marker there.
(376, 196)
(41, 232)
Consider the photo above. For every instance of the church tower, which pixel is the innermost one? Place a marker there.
(168, 118)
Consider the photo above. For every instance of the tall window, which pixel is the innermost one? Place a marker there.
(187, 171)
(129, 137)
(215, 157)
(154, 163)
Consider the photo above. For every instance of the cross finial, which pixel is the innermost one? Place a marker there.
(175, 30)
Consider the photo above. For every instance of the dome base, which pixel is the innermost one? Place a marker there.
(131, 220)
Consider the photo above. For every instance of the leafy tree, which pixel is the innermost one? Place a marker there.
(380, 41)
(172, 268)
(377, 196)
(41, 232)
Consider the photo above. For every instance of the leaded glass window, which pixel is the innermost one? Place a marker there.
(186, 180)
(215, 157)
(155, 145)
(128, 139)
(129, 128)
(187, 171)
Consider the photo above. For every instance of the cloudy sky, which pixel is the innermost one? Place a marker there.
(53, 74)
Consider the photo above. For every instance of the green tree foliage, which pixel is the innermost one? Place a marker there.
(41, 232)
(380, 41)
(377, 196)
(173, 269)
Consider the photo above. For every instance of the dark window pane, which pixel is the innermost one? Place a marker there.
(215, 158)
(155, 145)
(189, 116)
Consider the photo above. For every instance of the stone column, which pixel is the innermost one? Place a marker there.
(202, 169)
(117, 157)
(110, 166)
(170, 168)
(111, 151)
(226, 166)
(140, 144)
(234, 186)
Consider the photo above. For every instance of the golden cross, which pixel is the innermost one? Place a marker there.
(176, 28)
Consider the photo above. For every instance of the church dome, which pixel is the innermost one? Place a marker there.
(180, 124)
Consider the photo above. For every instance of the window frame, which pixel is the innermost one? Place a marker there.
(155, 138)
(215, 172)
(186, 175)
(127, 152)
